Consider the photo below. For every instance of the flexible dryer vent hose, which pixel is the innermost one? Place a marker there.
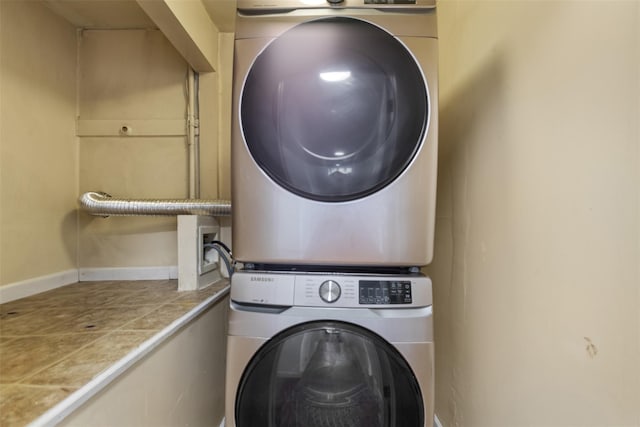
(103, 204)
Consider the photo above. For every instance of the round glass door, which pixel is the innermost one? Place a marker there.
(334, 109)
(328, 374)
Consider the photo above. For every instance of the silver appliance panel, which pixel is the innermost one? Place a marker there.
(266, 5)
(331, 290)
(421, 23)
(252, 327)
(393, 226)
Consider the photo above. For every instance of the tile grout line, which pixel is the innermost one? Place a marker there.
(36, 372)
(43, 386)
(122, 327)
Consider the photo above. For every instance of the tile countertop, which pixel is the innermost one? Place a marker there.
(54, 343)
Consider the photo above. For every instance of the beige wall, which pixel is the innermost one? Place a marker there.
(131, 76)
(137, 75)
(50, 76)
(536, 277)
(39, 151)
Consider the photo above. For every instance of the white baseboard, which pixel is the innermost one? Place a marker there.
(128, 273)
(25, 288)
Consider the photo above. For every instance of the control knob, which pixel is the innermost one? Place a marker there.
(329, 291)
(334, 1)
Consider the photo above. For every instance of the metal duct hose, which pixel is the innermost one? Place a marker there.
(102, 204)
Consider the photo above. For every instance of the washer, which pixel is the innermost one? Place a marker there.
(334, 135)
(318, 350)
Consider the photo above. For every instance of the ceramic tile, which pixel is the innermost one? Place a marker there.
(79, 368)
(159, 318)
(125, 286)
(4, 341)
(37, 321)
(147, 297)
(52, 299)
(21, 404)
(170, 285)
(54, 342)
(25, 355)
(197, 297)
(95, 298)
(99, 319)
(29, 304)
(7, 313)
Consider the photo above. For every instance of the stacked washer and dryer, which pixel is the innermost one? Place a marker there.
(334, 155)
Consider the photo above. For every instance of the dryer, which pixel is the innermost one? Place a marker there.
(320, 350)
(334, 134)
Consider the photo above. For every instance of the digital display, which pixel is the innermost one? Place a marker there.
(389, 1)
(384, 292)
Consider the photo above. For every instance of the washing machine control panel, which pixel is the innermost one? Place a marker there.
(382, 292)
(361, 291)
(330, 290)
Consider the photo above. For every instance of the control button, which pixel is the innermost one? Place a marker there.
(334, 1)
(329, 291)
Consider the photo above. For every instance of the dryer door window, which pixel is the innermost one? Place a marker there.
(328, 374)
(334, 109)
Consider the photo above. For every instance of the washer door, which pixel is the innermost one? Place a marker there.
(334, 109)
(328, 374)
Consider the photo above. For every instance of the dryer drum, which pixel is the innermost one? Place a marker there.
(328, 374)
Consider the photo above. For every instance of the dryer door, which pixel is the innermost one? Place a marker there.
(328, 374)
(334, 109)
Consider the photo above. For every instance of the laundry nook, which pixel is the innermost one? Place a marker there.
(319, 213)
